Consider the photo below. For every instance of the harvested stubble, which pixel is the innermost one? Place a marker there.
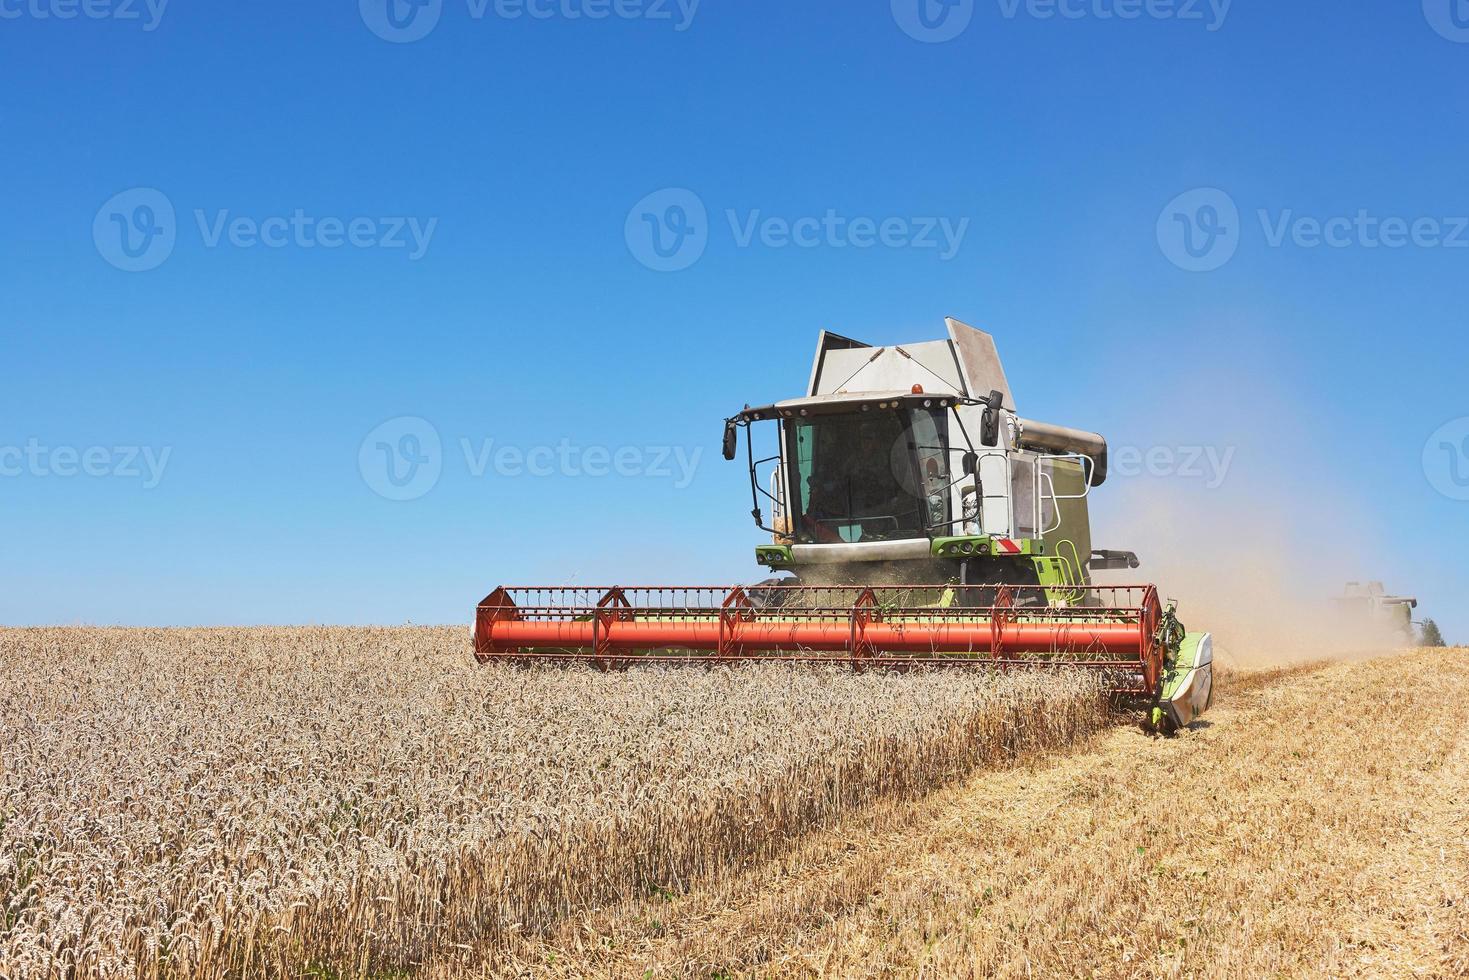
(253, 802)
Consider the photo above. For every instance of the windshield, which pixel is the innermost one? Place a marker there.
(869, 476)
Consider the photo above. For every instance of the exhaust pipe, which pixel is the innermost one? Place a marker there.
(1060, 439)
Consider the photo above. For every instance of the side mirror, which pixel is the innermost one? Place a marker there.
(971, 463)
(989, 427)
(731, 438)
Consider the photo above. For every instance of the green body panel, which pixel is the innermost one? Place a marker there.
(1188, 684)
(774, 555)
(983, 544)
(1059, 578)
(978, 546)
(1401, 615)
(1184, 661)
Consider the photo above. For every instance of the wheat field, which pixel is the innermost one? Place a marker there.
(370, 802)
(1315, 824)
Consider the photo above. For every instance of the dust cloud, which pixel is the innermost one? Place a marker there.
(1264, 586)
(1245, 515)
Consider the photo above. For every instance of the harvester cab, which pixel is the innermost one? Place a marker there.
(911, 464)
(916, 520)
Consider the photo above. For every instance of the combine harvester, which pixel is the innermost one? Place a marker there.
(919, 521)
(1367, 612)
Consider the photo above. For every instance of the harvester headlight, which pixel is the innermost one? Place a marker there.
(967, 547)
(928, 403)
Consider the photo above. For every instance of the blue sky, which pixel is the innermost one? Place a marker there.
(255, 338)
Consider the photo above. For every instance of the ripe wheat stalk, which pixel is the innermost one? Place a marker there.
(259, 802)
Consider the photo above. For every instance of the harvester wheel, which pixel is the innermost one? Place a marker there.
(1158, 721)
